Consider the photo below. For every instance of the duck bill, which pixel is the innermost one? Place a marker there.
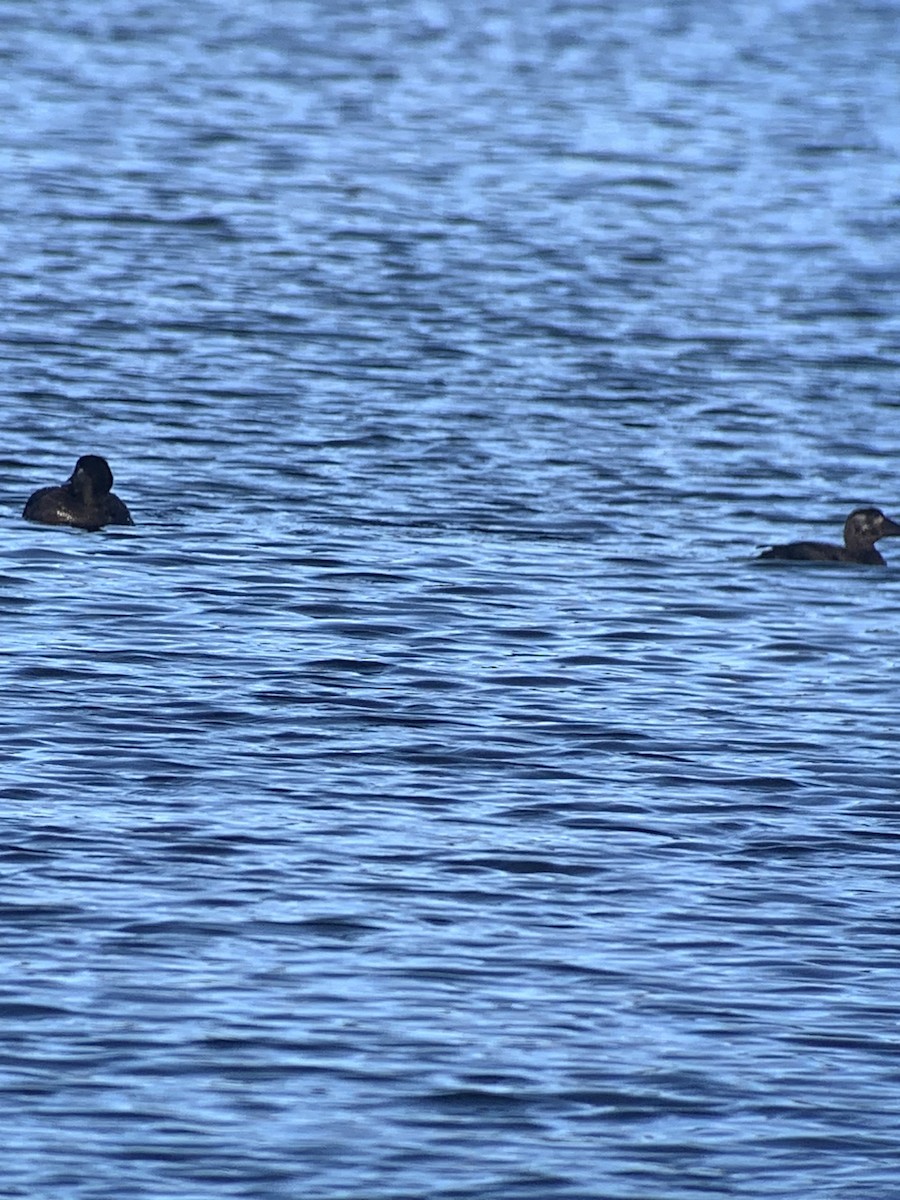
(890, 528)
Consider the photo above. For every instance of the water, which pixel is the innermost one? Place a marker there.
(430, 796)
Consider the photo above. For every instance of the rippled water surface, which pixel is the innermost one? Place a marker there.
(430, 796)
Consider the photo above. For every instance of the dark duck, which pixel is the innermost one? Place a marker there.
(862, 530)
(84, 500)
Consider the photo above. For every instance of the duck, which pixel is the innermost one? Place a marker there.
(862, 529)
(85, 500)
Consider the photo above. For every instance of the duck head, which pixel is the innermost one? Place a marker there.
(92, 477)
(865, 526)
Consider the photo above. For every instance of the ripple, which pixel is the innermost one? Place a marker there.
(432, 784)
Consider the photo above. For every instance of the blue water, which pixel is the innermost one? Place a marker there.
(430, 796)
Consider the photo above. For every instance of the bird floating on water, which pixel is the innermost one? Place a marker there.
(862, 530)
(84, 500)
